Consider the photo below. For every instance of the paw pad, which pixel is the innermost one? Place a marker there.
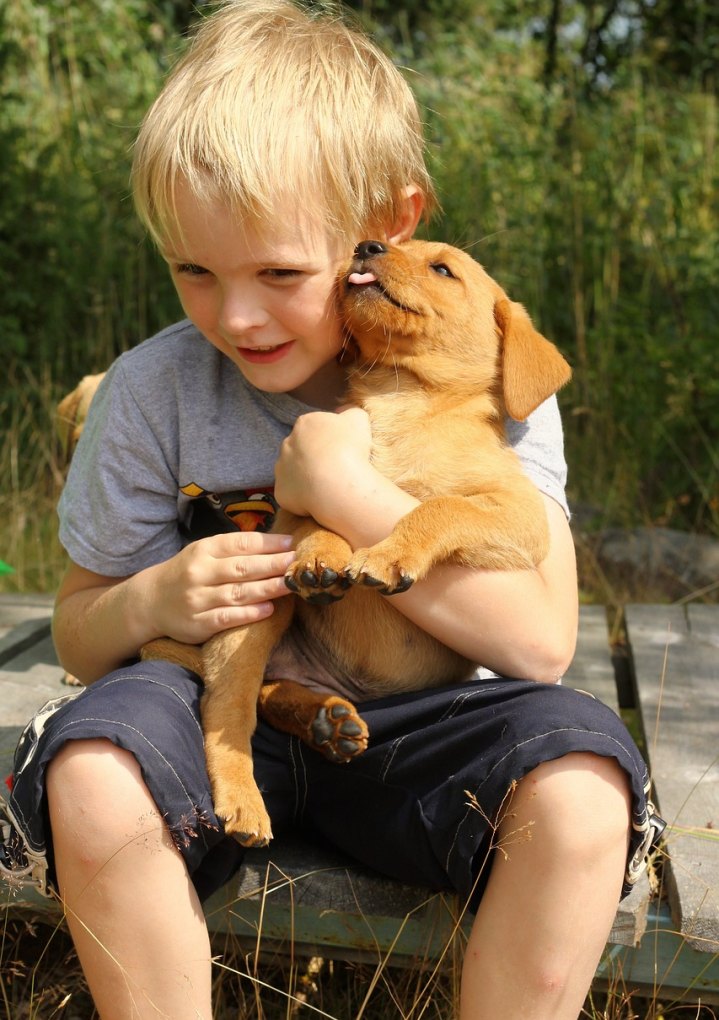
(338, 732)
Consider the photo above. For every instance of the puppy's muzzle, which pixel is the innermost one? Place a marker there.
(367, 250)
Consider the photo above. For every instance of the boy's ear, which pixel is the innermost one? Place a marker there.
(408, 217)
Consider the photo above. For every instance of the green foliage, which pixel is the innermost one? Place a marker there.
(75, 275)
(567, 162)
(683, 37)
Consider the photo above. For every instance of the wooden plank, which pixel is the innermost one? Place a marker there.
(704, 624)
(31, 678)
(592, 669)
(674, 650)
(23, 636)
(16, 607)
(27, 680)
(663, 967)
(630, 921)
(324, 903)
(20, 610)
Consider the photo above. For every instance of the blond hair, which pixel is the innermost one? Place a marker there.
(274, 104)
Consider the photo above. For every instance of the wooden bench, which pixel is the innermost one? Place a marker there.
(657, 665)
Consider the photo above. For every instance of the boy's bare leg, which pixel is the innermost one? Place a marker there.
(549, 904)
(132, 911)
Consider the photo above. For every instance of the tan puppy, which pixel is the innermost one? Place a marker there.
(71, 413)
(443, 355)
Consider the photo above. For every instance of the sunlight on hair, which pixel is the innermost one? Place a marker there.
(274, 108)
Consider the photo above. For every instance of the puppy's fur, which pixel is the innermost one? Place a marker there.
(71, 413)
(443, 354)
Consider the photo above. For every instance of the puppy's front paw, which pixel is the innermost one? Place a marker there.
(316, 581)
(244, 813)
(378, 568)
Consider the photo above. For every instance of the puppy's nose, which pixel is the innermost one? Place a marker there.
(369, 249)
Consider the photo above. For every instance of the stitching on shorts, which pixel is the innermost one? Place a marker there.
(457, 704)
(134, 729)
(163, 684)
(20, 814)
(295, 744)
(389, 758)
(459, 701)
(524, 743)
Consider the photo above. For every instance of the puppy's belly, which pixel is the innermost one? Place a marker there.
(300, 658)
(361, 648)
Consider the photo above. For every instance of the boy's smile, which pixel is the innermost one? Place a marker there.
(267, 302)
(264, 355)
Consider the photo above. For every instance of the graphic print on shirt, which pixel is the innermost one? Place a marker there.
(239, 510)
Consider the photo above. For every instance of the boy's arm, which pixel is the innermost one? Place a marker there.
(517, 623)
(214, 584)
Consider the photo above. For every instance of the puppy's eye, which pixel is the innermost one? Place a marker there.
(442, 270)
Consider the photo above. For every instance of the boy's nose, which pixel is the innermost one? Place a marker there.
(369, 249)
(239, 314)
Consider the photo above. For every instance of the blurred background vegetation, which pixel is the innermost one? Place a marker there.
(574, 143)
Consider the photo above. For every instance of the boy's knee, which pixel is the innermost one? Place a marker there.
(95, 791)
(79, 767)
(583, 799)
(105, 824)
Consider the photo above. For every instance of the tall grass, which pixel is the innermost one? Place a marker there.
(42, 979)
(78, 283)
(32, 475)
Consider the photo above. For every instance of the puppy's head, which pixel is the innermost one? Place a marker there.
(431, 309)
(71, 413)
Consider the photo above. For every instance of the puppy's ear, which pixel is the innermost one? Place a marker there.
(532, 367)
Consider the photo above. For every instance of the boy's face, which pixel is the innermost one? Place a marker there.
(266, 301)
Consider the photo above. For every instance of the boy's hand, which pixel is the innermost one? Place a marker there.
(216, 583)
(326, 456)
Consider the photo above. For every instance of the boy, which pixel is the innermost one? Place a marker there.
(281, 140)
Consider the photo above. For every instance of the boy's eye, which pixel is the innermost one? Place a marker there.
(281, 274)
(442, 270)
(190, 269)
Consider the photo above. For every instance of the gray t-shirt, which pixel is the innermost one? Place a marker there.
(178, 445)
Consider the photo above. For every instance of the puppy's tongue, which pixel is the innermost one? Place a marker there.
(359, 278)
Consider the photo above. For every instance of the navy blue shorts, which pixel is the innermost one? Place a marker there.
(403, 807)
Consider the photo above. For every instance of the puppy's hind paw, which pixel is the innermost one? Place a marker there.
(337, 731)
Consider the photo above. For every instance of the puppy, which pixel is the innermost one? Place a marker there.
(443, 354)
(71, 413)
